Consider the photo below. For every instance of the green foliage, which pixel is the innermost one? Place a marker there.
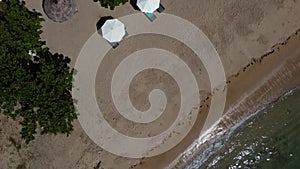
(111, 3)
(35, 88)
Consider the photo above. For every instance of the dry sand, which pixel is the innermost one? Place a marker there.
(240, 31)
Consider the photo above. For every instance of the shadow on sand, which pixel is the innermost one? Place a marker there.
(101, 22)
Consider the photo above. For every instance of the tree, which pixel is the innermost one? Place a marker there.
(36, 88)
(111, 3)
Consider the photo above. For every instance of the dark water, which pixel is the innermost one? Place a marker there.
(268, 140)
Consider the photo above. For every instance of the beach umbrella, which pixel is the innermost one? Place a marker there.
(113, 30)
(59, 10)
(148, 6)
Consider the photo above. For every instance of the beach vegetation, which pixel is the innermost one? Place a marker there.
(111, 3)
(35, 85)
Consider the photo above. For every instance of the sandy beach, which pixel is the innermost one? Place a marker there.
(258, 43)
(278, 69)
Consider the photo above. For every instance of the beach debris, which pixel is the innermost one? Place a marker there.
(98, 165)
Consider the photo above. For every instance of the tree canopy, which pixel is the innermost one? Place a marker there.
(111, 3)
(35, 85)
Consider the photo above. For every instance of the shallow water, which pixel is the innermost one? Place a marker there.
(268, 140)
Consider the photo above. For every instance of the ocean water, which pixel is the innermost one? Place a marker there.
(268, 140)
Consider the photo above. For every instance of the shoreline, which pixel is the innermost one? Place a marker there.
(212, 149)
(246, 121)
(281, 81)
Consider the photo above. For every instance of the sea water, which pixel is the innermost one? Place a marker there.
(268, 140)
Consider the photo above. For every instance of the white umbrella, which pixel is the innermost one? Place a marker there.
(148, 6)
(113, 30)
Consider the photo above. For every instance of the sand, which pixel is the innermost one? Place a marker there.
(240, 31)
(274, 74)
